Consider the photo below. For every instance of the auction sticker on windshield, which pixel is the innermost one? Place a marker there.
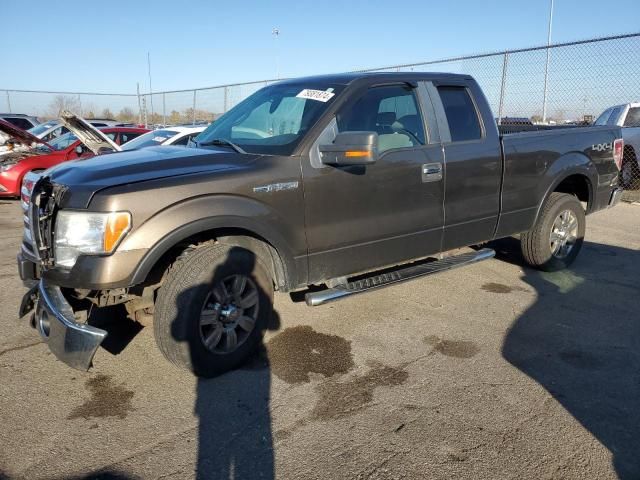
(319, 95)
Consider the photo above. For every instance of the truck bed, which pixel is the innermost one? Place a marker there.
(529, 172)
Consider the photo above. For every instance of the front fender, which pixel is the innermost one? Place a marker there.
(185, 219)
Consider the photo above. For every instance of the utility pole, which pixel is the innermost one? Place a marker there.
(546, 66)
(276, 33)
(139, 105)
(150, 89)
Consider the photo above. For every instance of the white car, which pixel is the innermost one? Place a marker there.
(165, 136)
(628, 117)
(47, 131)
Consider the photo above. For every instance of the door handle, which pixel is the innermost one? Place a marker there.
(431, 172)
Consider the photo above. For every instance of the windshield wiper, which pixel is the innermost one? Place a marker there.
(221, 142)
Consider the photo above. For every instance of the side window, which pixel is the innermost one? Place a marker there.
(391, 111)
(58, 132)
(461, 113)
(633, 117)
(183, 141)
(127, 137)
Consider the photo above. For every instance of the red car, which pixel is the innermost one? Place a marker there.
(27, 153)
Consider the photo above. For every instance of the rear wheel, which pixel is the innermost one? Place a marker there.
(557, 237)
(215, 304)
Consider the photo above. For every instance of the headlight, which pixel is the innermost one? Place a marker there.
(88, 233)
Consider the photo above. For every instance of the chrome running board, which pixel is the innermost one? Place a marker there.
(402, 274)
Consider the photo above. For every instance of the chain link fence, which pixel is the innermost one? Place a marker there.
(542, 87)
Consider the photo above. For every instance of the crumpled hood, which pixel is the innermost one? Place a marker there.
(84, 178)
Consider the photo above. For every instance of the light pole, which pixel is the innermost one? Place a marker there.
(150, 89)
(276, 33)
(546, 66)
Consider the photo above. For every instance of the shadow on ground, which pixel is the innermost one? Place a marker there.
(580, 340)
(234, 430)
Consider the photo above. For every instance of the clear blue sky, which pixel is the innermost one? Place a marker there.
(91, 46)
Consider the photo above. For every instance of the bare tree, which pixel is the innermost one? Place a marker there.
(126, 115)
(106, 113)
(63, 102)
(174, 117)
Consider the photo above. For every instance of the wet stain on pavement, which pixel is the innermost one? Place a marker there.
(500, 288)
(299, 351)
(452, 348)
(341, 399)
(578, 359)
(107, 400)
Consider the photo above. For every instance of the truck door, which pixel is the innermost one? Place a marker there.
(363, 217)
(473, 163)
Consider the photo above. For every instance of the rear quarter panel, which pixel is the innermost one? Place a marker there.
(537, 162)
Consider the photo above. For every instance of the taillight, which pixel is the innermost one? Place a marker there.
(618, 150)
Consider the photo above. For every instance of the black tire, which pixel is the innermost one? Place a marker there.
(536, 244)
(182, 302)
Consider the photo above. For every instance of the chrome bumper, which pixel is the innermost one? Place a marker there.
(73, 343)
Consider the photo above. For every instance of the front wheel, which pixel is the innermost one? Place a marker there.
(557, 236)
(213, 308)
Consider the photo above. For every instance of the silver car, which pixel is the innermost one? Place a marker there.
(626, 116)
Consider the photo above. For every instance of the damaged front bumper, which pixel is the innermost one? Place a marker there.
(73, 343)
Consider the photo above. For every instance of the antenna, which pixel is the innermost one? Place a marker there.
(276, 33)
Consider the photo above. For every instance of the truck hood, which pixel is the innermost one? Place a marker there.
(84, 178)
(90, 136)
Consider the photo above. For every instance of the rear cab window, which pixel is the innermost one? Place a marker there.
(633, 117)
(462, 115)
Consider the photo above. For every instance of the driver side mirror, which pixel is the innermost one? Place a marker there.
(351, 148)
(79, 150)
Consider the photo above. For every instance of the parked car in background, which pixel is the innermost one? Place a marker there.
(51, 129)
(626, 116)
(83, 141)
(166, 136)
(20, 120)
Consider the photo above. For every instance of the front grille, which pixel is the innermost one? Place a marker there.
(42, 209)
(39, 198)
(28, 244)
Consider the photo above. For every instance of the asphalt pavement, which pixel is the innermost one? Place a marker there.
(490, 371)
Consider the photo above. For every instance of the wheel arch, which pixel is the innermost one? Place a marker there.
(240, 232)
(574, 174)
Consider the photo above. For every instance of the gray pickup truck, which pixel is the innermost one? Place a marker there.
(333, 185)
